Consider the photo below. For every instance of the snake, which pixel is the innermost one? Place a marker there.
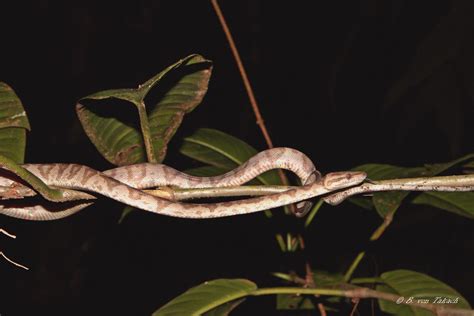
(124, 184)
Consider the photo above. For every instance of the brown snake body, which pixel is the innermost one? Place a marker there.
(123, 184)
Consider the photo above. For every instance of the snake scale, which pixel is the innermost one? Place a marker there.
(124, 184)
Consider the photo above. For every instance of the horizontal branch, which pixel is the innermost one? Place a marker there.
(457, 183)
(364, 293)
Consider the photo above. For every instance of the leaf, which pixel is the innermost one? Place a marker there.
(118, 137)
(410, 284)
(206, 297)
(13, 125)
(390, 307)
(445, 39)
(388, 202)
(222, 150)
(224, 309)
(461, 203)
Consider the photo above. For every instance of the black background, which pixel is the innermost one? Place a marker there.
(323, 73)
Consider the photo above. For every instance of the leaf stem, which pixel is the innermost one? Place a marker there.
(355, 263)
(297, 291)
(145, 128)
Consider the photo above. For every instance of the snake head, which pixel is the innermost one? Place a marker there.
(343, 179)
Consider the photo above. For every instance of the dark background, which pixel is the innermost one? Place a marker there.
(346, 82)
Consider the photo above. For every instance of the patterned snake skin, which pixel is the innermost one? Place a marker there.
(124, 184)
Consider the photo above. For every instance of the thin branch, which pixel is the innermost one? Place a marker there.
(364, 293)
(13, 262)
(309, 277)
(353, 266)
(3, 231)
(457, 183)
(354, 309)
(178, 194)
(246, 81)
(243, 73)
(145, 129)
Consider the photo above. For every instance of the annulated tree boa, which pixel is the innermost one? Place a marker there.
(124, 184)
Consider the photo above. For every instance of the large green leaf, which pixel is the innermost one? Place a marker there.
(207, 297)
(13, 125)
(223, 151)
(118, 137)
(388, 202)
(414, 285)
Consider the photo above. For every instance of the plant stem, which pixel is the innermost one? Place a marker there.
(246, 81)
(361, 293)
(145, 128)
(296, 290)
(355, 263)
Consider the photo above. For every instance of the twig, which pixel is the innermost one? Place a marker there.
(363, 293)
(309, 277)
(3, 231)
(457, 183)
(246, 81)
(178, 194)
(354, 309)
(13, 262)
(243, 73)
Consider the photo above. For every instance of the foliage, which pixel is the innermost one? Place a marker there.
(180, 89)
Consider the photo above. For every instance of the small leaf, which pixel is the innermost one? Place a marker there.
(207, 296)
(410, 284)
(118, 137)
(224, 151)
(13, 125)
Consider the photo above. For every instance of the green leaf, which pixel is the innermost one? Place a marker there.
(414, 285)
(390, 307)
(223, 151)
(13, 125)
(461, 203)
(224, 309)
(388, 202)
(206, 297)
(119, 138)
